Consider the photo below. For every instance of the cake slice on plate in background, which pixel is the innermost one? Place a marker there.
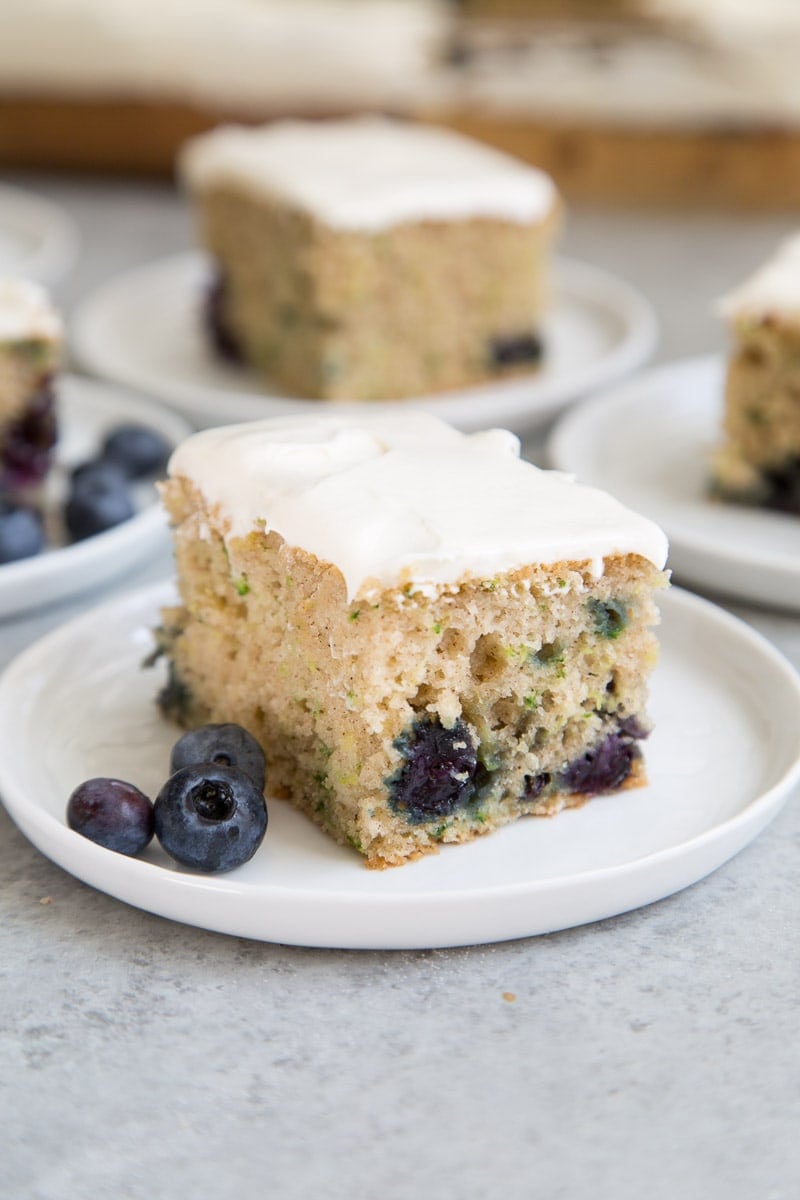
(759, 460)
(370, 259)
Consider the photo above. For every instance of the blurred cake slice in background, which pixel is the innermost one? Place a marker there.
(30, 348)
(759, 461)
(370, 259)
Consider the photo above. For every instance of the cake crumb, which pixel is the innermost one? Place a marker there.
(510, 997)
(46, 900)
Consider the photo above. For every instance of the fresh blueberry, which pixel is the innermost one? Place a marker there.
(229, 745)
(98, 469)
(438, 773)
(136, 449)
(96, 502)
(21, 534)
(602, 769)
(112, 813)
(210, 817)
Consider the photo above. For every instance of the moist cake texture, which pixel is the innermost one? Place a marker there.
(429, 637)
(759, 460)
(30, 347)
(370, 259)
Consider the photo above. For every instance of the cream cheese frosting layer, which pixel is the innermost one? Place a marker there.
(248, 56)
(370, 173)
(398, 501)
(26, 312)
(773, 289)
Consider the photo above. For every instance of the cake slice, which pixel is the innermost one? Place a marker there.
(429, 636)
(759, 460)
(369, 259)
(30, 347)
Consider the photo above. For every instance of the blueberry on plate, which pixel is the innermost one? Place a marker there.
(210, 817)
(136, 449)
(98, 469)
(97, 501)
(228, 745)
(21, 534)
(112, 813)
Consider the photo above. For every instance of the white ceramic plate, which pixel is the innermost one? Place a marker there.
(722, 760)
(87, 410)
(37, 238)
(144, 329)
(649, 442)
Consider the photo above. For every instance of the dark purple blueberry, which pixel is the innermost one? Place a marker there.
(222, 338)
(99, 468)
(136, 449)
(21, 534)
(632, 727)
(210, 817)
(27, 448)
(96, 502)
(602, 769)
(112, 813)
(610, 617)
(229, 745)
(535, 785)
(521, 348)
(438, 773)
(784, 488)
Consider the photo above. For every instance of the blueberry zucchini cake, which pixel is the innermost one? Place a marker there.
(369, 259)
(429, 637)
(30, 346)
(759, 460)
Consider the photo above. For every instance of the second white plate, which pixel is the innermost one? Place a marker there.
(722, 759)
(649, 442)
(87, 410)
(144, 329)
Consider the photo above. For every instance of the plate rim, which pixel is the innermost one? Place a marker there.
(581, 280)
(60, 246)
(572, 425)
(128, 541)
(53, 838)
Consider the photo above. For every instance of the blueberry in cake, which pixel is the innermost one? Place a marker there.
(428, 636)
(759, 460)
(30, 347)
(369, 259)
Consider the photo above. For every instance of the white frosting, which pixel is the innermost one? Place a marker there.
(26, 312)
(775, 288)
(369, 173)
(242, 55)
(406, 500)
